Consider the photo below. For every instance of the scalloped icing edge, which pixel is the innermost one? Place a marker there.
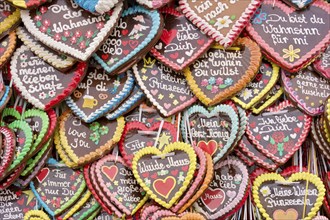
(78, 204)
(222, 108)
(109, 106)
(30, 215)
(317, 141)
(80, 161)
(169, 148)
(10, 49)
(146, 211)
(12, 177)
(244, 185)
(8, 152)
(156, 25)
(196, 54)
(235, 30)
(319, 138)
(274, 56)
(10, 21)
(150, 3)
(47, 55)
(111, 158)
(242, 124)
(64, 48)
(186, 216)
(78, 73)
(296, 176)
(95, 209)
(61, 152)
(269, 102)
(271, 83)
(255, 59)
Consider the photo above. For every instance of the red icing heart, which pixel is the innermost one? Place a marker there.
(42, 174)
(168, 36)
(209, 147)
(174, 55)
(21, 201)
(212, 198)
(133, 43)
(174, 172)
(105, 56)
(110, 172)
(164, 186)
(124, 32)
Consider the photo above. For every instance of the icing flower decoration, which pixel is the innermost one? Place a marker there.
(104, 130)
(99, 25)
(204, 82)
(223, 22)
(94, 126)
(212, 81)
(259, 17)
(265, 191)
(37, 18)
(43, 9)
(291, 53)
(246, 94)
(214, 89)
(51, 93)
(238, 178)
(229, 81)
(89, 34)
(57, 37)
(219, 81)
(95, 137)
(42, 95)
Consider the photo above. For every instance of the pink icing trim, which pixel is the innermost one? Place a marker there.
(12, 177)
(275, 57)
(243, 157)
(148, 211)
(198, 179)
(164, 213)
(317, 65)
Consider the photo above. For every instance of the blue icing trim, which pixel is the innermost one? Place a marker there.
(43, 204)
(88, 5)
(217, 109)
(126, 105)
(156, 19)
(110, 105)
(4, 98)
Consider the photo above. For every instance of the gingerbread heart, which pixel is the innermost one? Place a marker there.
(84, 142)
(97, 6)
(118, 183)
(219, 74)
(7, 47)
(227, 191)
(137, 135)
(136, 32)
(308, 89)
(90, 208)
(181, 42)
(274, 195)
(9, 18)
(165, 175)
(290, 38)
(64, 27)
(99, 93)
(322, 65)
(279, 131)
(165, 89)
(213, 131)
(223, 21)
(7, 148)
(257, 89)
(41, 84)
(153, 4)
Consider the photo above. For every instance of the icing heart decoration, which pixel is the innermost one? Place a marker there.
(77, 36)
(137, 135)
(311, 33)
(308, 89)
(279, 122)
(98, 6)
(264, 81)
(165, 89)
(219, 74)
(137, 31)
(222, 21)
(84, 143)
(114, 176)
(153, 4)
(217, 129)
(59, 184)
(7, 47)
(277, 199)
(39, 83)
(180, 38)
(227, 191)
(99, 93)
(154, 171)
(322, 65)
(7, 148)
(9, 18)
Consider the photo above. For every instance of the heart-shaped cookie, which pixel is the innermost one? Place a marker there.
(137, 135)
(90, 208)
(84, 142)
(165, 89)
(7, 148)
(137, 31)
(258, 88)
(64, 27)
(39, 83)
(181, 42)
(227, 192)
(290, 38)
(223, 21)
(219, 74)
(279, 198)
(153, 4)
(118, 183)
(99, 6)
(213, 131)
(322, 65)
(7, 47)
(165, 175)
(279, 131)
(9, 18)
(99, 93)
(307, 89)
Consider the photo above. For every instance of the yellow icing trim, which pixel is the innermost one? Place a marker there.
(10, 21)
(311, 178)
(327, 111)
(227, 93)
(78, 205)
(326, 131)
(61, 151)
(36, 214)
(263, 93)
(155, 151)
(80, 161)
(10, 49)
(268, 102)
